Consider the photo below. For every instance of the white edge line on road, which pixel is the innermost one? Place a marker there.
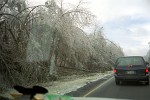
(97, 87)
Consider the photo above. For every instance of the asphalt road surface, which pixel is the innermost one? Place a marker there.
(128, 90)
(108, 89)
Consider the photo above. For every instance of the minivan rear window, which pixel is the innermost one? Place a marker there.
(126, 61)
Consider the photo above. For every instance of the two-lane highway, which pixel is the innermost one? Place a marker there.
(128, 90)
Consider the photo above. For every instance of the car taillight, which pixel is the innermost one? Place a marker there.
(146, 70)
(115, 70)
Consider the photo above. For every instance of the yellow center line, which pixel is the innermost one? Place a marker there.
(97, 87)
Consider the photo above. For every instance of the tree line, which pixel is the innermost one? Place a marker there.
(36, 41)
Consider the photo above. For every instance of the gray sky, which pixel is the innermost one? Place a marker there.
(126, 22)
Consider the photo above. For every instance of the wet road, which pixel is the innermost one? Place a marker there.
(128, 90)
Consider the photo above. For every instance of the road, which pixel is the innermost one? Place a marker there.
(128, 90)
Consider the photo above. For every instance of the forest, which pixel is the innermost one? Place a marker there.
(41, 43)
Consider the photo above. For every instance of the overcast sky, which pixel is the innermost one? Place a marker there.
(126, 22)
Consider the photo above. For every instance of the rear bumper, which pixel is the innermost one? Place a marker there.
(132, 78)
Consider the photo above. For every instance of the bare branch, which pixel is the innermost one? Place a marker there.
(3, 5)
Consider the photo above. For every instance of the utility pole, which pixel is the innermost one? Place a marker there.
(149, 52)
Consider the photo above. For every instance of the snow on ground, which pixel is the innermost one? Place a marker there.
(74, 82)
(68, 83)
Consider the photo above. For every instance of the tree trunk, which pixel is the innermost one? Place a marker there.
(53, 58)
(52, 67)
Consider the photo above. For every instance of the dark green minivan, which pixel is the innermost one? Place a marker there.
(131, 68)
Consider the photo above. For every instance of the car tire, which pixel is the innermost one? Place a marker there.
(117, 82)
(147, 83)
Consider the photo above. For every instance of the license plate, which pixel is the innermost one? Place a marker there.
(130, 72)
